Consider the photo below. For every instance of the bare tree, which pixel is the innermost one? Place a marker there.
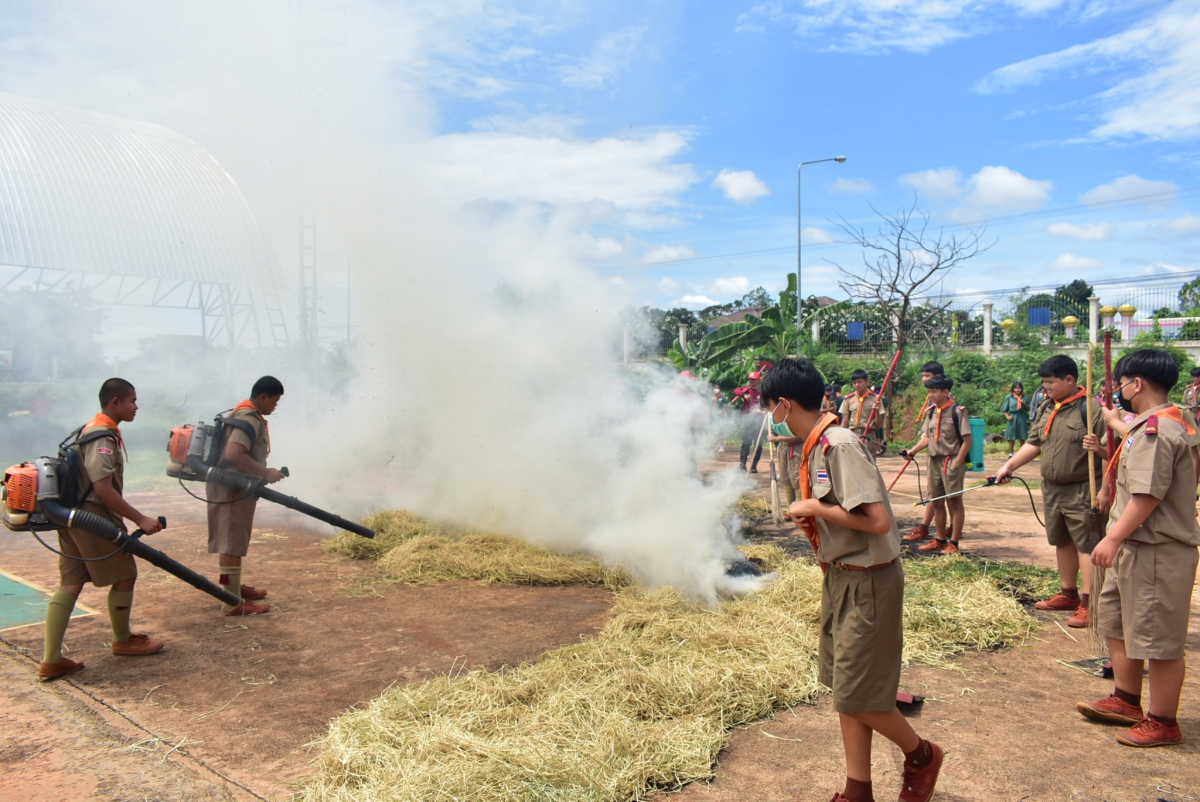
(910, 262)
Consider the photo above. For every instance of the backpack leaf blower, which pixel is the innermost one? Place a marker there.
(195, 452)
(31, 503)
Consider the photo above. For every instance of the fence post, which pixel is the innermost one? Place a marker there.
(1094, 319)
(816, 329)
(683, 338)
(987, 328)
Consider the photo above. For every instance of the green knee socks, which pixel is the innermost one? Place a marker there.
(120, 607)
(58, 615)
(231, 580)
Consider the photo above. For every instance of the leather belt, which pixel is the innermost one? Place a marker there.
(847, 567)
(1133, 542)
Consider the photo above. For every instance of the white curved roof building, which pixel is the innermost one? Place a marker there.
(87, 193)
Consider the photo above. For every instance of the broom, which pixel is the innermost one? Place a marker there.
(776, 511)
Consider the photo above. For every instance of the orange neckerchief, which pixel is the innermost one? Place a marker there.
(808, 524)
(1059, 405)
(858, 412)
(924, 408)
(937, 432)
(248, 404)
(108, 423)
(1171, 412)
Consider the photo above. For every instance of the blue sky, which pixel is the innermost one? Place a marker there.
(662, 131)
(976, 110)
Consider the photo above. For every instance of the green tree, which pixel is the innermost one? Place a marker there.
(1189, 297)
(1075, 296)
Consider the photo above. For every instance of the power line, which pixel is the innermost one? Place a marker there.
(1121, 203)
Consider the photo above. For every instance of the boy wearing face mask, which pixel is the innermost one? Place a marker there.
(1151, 551)
(847, 516)
(1066, 490)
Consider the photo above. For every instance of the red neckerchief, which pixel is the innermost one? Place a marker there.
(1059, 405)
(1169, 412)
(248, 404)
(106, 422)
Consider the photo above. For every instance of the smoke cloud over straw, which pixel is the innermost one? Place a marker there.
(489, 390)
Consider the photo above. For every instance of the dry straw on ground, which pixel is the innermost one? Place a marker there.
(646, 704)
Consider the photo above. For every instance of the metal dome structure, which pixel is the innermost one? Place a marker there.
(136, 214)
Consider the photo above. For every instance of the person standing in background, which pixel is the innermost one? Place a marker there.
(1016, 412)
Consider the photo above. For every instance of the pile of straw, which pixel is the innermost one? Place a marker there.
(646, 704)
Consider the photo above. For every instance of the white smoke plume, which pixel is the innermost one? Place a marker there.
(490, 390)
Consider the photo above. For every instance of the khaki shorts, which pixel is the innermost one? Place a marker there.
(229, 524)
(951, 481)
(783, 470)
(1147, 597)
(862, 635)
(1067, 508)
(103, 573)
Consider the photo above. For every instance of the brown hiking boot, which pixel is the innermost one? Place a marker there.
(950, 548)
(249, 608)
(1111, 710)
(934, 545)
(137, 646)
(64, 666)
(1059, 601)
(1080, 619)
(918, 533)
(1151, 732)
(253, 594)
(919, 783)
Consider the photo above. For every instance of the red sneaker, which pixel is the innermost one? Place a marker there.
(1151, 732)
(64, 666)
(249, 608)
(934, 545)
(919, 783)
(1059, 601)
(1112, 710)
(918, 533)
(950, 548)
(253, 594)
(1080, 619)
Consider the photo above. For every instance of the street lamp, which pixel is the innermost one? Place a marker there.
(799, 231)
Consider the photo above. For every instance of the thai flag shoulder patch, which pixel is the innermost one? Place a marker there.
(822, 477)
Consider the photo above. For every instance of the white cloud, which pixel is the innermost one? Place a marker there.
(735, 286)
(940, 184)
(695, 301)
(1184, 226)
(668, 253)
(870, 26)
(668, 284)
(818, 236)
(1126, 187)
(636, 174)
(1158, 97)
(1088, 232)
(608, 59)
(1002, 189)
(853, 185)
(1069, 261)
(742, 186)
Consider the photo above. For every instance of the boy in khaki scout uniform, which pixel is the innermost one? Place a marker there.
(1066, 492)
(846, 513)
(928, 371)
(946, 432)
(100, 485)
(786, 465)
(1151, 553)
(856, 407)
(1191, 404)
(230, 511)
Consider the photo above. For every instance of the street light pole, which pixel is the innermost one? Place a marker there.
(799, 230)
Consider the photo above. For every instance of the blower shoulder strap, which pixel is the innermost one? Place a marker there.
(70, 456)
(242, 426)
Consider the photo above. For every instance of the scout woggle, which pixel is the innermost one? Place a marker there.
(195, 451)
(31, 503)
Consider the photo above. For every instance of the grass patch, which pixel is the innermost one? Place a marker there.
(647, 703)
(1023, 583)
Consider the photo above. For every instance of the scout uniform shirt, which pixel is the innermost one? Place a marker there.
(101, 459)
(944, 441)
(1157, 461)
(856, 410)
(262, 440)
(842, 472)
(1064, 461)
(1191, 406)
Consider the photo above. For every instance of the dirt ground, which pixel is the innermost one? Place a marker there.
(231, 709)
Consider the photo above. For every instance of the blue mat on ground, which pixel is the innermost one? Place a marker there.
(22, 604)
